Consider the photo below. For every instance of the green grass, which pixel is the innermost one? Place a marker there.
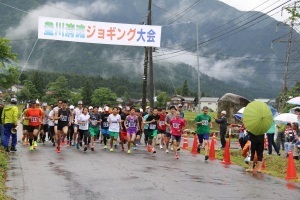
(3, 169)
(275, 165)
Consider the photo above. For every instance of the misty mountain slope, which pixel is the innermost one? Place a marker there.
(243, 61)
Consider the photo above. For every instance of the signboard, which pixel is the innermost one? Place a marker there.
(98, 32)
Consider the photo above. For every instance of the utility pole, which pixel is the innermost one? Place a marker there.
(144, 99)
(289, 40)
(151, 81)
(198, 64)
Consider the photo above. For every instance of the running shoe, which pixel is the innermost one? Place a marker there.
(53, 144)
(80, 144)
(172, 148)
(167, 151)
(153, 151)
(134, 148)
(92, 148)
(116, 146)
(31, 148)
(206, 157)
(111, 150)
(74, 144)
(58, 149)
(85, 148)
(177, 156)
(160, 146)
(105, 147)
(70, 143)
(34, 144)
(128, 151)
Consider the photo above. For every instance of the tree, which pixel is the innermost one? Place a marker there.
(8, 73)
(283, 98)
(28, 92)
(185, 89)
(126, 97)
(162, 99)
(87, 93)
(59, 90)
(102, 96)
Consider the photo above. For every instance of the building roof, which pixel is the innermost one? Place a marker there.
(209, 99)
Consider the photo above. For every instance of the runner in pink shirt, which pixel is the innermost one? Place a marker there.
(177, 124)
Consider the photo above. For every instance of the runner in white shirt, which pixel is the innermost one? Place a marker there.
(114, 122)
(83, 121)
(76, 113)
(51, 127)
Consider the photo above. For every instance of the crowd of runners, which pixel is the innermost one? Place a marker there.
(83, 127)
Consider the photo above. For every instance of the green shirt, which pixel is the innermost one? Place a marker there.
(204, 127)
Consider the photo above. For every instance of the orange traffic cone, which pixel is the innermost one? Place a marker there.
(195, 145)
(185, 142)
(212, 154)
(226, 157)
(291, 169)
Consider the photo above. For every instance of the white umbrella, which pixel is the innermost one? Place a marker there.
(295, 101)
(286, 117)
(241, 110)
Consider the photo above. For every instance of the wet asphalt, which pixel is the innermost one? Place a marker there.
(73, 174)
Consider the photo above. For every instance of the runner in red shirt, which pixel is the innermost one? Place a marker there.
(34, 115)
(177, 124)
(162, 127)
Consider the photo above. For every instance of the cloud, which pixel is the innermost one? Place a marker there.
(227, 70)
(29, 23)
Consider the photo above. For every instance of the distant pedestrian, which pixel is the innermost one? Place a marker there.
(177, 124)
(9, 118)
(223, 127)
(271, 142)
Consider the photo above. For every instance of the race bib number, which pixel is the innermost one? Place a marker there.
(131, 124)
(34, 119)
(64, 118)
(161, 123)
(204, 122)
(105, 124)
(152, 126)
(176, 125)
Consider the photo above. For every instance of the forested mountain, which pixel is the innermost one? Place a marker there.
(243, 63)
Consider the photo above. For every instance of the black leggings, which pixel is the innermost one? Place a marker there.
(105, 138)
(257, 145)
(70, 132)
(83, 134)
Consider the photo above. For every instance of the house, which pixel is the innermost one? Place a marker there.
(188, 103)
(16, 88)
(210, 102)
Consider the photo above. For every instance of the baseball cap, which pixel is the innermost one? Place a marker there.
(91, 108)
(147, 107)
(223, 112)
(13, 100)
(33, 101)
(106, 108)
(80, 103)
(37, 101)
(44, 104)
(72, 107)
(179, 105)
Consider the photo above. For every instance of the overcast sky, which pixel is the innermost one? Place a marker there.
(247, 5)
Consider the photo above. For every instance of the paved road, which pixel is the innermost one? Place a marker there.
(74, 174)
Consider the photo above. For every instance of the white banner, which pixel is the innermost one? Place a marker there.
(99, 32)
